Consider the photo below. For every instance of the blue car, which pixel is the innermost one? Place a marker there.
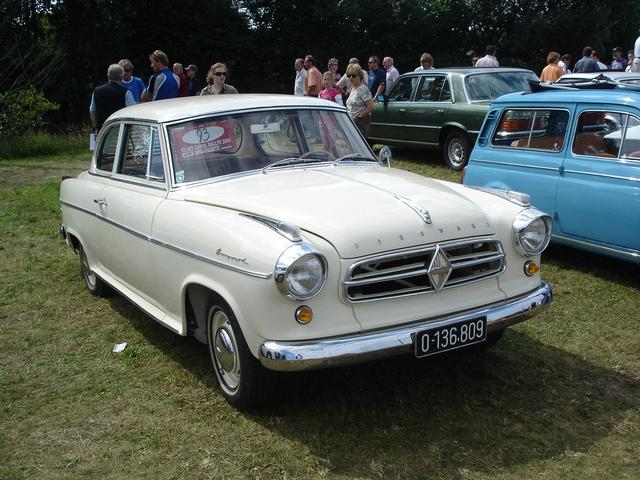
(576, 152)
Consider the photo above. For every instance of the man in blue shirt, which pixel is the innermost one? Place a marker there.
(586, 63)
(377, 77)
(134, 84)
(164, 83)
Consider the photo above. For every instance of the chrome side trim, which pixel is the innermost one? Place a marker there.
(169, 246)
(604, 175)
(331, 352)
(403, 142)
(634, 255)
(519, 165)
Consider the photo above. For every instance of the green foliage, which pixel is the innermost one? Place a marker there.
(42, 144)
(22, 111)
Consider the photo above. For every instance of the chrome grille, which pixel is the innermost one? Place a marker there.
(407, 272)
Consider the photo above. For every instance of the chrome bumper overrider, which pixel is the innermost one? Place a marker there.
(291, 356)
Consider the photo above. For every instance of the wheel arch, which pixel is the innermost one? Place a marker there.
(450, 127)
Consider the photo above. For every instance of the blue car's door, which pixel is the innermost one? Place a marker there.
(598, 197)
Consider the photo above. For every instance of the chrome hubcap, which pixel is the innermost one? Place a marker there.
(89, 276)
(225, 351)
(456, 152)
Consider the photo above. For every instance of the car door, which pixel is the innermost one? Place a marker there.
(522, 149)
(598, 195)
(389, 117)
(130, 200)
(426, 114)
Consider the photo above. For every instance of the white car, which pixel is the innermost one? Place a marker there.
(265, 227)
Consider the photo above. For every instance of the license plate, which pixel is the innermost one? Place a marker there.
(449, 337)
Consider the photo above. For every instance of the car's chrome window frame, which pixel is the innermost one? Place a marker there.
(410, 78)
(500, 114)
(429, 74)
(156, 184)
(100, 142)
(623, 134)
(170, 174)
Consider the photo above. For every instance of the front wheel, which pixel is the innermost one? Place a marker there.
(244, 383)
(456, 150)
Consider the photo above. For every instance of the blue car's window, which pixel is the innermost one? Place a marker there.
(536, 129)
(599, 133)
(631, 143)
(491, 85)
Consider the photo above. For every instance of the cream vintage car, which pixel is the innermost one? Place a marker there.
(265, 227)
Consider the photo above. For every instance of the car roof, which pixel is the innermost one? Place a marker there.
(612, 74)
(621, 96)
(470, 70)
(162, 111)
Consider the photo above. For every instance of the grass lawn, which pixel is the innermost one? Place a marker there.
(557, 398)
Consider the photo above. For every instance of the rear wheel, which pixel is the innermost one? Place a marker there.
(456, 150)
(95, 285)
(244, 383)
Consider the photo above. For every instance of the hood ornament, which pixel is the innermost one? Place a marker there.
(420, 210)
(439, 269)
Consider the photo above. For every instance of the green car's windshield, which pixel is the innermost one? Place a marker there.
(488, 86)
(227, 144)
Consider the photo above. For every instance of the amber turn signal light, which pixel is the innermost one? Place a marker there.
(304, 314)
(531, 268)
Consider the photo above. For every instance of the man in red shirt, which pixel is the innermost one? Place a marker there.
(184, 81)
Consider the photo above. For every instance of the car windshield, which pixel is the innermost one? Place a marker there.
(491, 85)
(240, 142)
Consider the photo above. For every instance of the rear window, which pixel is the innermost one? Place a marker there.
(491, 85)
(537, 129)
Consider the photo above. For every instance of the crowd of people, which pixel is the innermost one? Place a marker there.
(357, 89)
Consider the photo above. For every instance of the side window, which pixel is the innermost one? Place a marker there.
(532, 129)
(598, 133)
(401, 91)
(136, 152)
(433, 88)
(107, 150)
(156, 169)
(631, 144)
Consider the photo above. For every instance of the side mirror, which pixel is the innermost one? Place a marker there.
(384, 157)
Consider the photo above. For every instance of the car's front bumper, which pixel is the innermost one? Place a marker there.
(291, 356)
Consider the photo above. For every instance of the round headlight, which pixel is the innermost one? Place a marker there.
(531, 231)
(300, 272)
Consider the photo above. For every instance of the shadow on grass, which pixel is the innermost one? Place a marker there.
(606, 268)
(519, 402)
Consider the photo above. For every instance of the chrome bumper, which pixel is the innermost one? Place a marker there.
(291, 356)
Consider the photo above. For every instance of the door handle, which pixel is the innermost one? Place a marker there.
(102, 202)
(402, 110)
(440, 111)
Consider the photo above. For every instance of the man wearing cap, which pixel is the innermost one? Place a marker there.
(619, 62)
(194, 87)
(109, 98)
(164, 83)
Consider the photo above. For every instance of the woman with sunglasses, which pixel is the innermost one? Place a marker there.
(360, 102)
(216, 79)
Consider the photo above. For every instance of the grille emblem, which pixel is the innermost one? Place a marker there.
(439, 269)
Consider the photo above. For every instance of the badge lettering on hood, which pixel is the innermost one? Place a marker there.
(220, 253)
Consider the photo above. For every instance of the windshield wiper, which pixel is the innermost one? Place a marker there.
(292, 161)
(354, 156)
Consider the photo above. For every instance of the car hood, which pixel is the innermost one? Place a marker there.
(360, 210)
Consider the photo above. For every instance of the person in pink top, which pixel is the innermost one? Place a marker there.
(330, 92)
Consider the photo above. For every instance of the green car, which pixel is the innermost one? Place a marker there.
(442, 108)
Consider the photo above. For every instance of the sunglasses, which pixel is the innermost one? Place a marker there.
(351, 76)
(217, 74)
